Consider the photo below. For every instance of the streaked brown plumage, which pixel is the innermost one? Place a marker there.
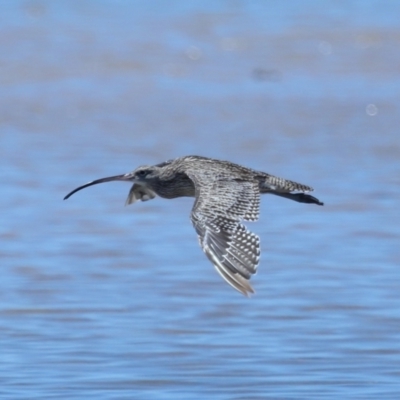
(225, 195)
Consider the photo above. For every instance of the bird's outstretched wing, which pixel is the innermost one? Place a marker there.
(219, 208)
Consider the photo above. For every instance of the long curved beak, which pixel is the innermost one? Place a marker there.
(125, 177)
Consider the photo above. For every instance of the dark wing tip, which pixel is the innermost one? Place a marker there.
(307, 198)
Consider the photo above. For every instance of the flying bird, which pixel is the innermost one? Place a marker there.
(226, 194)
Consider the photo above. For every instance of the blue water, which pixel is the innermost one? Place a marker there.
(102, 301)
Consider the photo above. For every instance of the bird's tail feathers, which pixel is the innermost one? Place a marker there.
(273, 183)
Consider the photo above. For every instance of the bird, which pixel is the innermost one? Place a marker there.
(226, 194)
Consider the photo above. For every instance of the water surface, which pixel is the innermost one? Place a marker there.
(102, 301)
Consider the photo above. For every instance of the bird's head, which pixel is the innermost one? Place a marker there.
(143, 174)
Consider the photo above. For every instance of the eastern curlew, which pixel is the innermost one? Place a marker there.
(225, 195)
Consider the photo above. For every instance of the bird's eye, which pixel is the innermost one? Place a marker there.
(141, 173)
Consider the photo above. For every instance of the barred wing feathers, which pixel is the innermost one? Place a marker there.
(220, 207)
